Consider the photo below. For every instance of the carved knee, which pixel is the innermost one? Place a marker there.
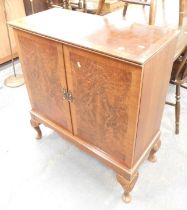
(36, 126)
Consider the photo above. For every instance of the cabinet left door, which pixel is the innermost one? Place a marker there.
(44, 73)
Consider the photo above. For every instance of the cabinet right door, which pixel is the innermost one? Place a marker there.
(105, 102)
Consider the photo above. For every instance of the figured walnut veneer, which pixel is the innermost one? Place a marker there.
(105, 94)
(110, 93)
(45, 70)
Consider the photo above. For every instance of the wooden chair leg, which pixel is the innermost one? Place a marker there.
(36, 126)
(127, 185)
(183, 86)
(125, 9)
(144, 5)
(181, 12)
(84, 6)
(177, 109)
(100, 7)
(152, 12)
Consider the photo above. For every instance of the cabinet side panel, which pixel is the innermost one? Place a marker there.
(43, 69)
(105, 101)
(156, 77)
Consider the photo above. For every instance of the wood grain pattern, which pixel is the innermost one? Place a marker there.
(116, 105)
(170, 15)
(154, 90)
(127, 185)
(132, 42)
(45, 77)
(110, 92)
(105, 158)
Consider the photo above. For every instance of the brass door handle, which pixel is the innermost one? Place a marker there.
(70, 96)
(67, 95)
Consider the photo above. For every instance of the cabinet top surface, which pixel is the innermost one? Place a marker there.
(124, 40)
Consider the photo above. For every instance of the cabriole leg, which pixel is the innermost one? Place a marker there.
(36, 126)
(127, 185)
(154, 150)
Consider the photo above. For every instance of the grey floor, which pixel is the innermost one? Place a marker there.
(52, 174)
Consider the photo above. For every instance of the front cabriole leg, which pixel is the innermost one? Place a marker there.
(154, 150)
(36, 126)
(127, 185)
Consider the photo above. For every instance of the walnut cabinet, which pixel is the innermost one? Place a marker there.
(101, 87)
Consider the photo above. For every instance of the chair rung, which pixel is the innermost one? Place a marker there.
(137, 2)
(184, 86)
(169, 103)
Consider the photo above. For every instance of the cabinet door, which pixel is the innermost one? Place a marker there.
(105, 101)
(43, 69)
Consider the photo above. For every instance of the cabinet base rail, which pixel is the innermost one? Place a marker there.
(125, 176)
